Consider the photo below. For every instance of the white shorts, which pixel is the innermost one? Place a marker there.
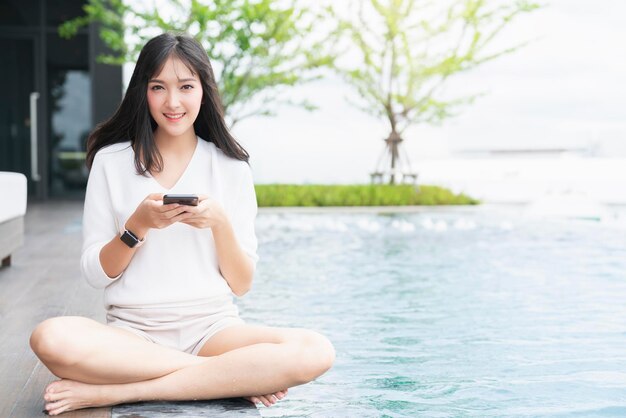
(185, 328)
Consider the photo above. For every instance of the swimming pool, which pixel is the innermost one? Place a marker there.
(472, 312)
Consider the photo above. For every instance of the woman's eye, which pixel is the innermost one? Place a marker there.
(187, 87)
(155, 87)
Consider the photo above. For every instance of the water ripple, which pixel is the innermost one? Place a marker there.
(469, 314)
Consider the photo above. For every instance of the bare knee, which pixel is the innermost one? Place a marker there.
(315, 356)
(52, 339)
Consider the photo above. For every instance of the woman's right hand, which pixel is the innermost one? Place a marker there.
(153, 214)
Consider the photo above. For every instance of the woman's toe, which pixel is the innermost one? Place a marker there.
(54, 386)
(52, 407)
(60, 410)
(54, 396)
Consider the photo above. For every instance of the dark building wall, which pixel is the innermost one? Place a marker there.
(75, 94)
(107, 80)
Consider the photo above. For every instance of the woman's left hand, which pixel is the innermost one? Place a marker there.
(208, 214)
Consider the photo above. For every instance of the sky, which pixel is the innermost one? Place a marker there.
(565, 89)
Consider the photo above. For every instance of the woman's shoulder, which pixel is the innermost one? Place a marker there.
(112, 152)
(115, 148)
(226, 163)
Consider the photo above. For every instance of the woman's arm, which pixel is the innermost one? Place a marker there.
(151, 213)
(233, 232)
(234, 264)
(235, 236)
(115, 256)
(104, 256)
(99, 226)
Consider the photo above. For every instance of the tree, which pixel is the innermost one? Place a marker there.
(257, 48)
(410, 48)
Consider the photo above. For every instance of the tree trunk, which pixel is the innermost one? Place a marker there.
(392, 145)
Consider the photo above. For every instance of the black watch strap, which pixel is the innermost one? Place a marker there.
(130, 239)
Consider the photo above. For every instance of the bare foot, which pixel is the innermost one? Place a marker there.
(268, 400)
(67, 395)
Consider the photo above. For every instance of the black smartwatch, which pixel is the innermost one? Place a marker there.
(131, 239)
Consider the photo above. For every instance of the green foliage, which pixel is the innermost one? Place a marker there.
(409, 48)
(257, 48)
(356, 195)
(110, 16)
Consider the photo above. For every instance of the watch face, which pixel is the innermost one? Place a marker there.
(129, 239)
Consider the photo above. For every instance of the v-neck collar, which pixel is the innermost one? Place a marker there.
(193, 156)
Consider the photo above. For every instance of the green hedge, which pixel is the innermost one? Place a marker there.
(356, 195)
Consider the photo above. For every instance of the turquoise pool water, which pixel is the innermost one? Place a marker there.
(470, 313)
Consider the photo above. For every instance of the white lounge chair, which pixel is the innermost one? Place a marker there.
(13, 195)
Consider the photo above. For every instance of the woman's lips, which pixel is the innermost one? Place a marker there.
(173, 117)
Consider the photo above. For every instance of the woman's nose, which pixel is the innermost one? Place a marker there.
(173, 101)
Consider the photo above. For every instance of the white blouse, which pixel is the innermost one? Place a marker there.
(176, 265)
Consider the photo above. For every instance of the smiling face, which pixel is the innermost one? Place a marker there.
(174, 99)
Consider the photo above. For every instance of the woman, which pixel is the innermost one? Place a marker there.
(168, 270)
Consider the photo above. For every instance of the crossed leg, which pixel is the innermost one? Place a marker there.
(240, 336)
(103, 365)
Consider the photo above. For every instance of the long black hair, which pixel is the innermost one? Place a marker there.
(132, 120)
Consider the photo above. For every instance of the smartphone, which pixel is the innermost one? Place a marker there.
(181, 199)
